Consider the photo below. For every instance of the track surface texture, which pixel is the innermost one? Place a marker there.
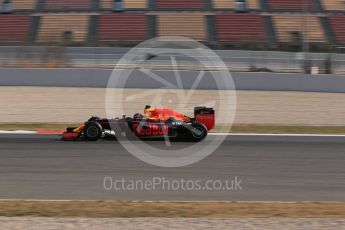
(271, 168)
(35, 223)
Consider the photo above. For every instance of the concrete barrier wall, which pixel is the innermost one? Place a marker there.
(98, 78)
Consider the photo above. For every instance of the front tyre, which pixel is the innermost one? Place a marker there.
(93, 131)
(199, 132)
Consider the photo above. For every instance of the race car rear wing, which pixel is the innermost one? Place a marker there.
(205, 116)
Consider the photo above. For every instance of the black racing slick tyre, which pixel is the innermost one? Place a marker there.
(93, 131)
(199, 132)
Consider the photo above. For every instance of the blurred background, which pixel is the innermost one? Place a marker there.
(250, 35)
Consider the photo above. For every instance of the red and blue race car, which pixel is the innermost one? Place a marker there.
(161, 123)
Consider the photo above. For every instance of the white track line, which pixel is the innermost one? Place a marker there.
(217, 134)
(277, 134)
(186, 201)
(17, 132)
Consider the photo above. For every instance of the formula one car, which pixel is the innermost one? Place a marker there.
(172, 125)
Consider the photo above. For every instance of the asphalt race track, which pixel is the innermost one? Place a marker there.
(270, 168)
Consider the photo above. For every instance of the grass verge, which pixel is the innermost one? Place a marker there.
(129, 209)
(238, 128)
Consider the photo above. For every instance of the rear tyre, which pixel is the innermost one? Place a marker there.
(199, 132)
(93, 131)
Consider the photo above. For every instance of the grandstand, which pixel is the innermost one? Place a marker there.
(24, 4)
(288, 24)
(292, 4)
(334, 5)
(128, 4)
(122, 27)
(181, 24)
(14, 28)
(52, 27)
(230, 28)
(337, 23)
(225, 4)
(216, 22)
(67, 4)
(179, 4)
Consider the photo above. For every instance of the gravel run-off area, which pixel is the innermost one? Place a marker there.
(40, 104)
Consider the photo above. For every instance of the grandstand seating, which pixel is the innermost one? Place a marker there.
(23, 4)
(128, 4)
(117, 27)
(240, 27)
(226, 4)
(337, 23)
(67, 4)
(190, 25)
(14, 28)
(253, 4)
(223, 4)
(179, 4)
(106, 4)
(53, 25)
(333, 4)
(281, 21)
(289, 23)
(292, 4)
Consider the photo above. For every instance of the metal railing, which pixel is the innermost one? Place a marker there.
(101, 57)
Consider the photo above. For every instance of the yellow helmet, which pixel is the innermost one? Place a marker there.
(149, 109)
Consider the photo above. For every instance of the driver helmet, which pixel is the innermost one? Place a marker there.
(148, 111)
